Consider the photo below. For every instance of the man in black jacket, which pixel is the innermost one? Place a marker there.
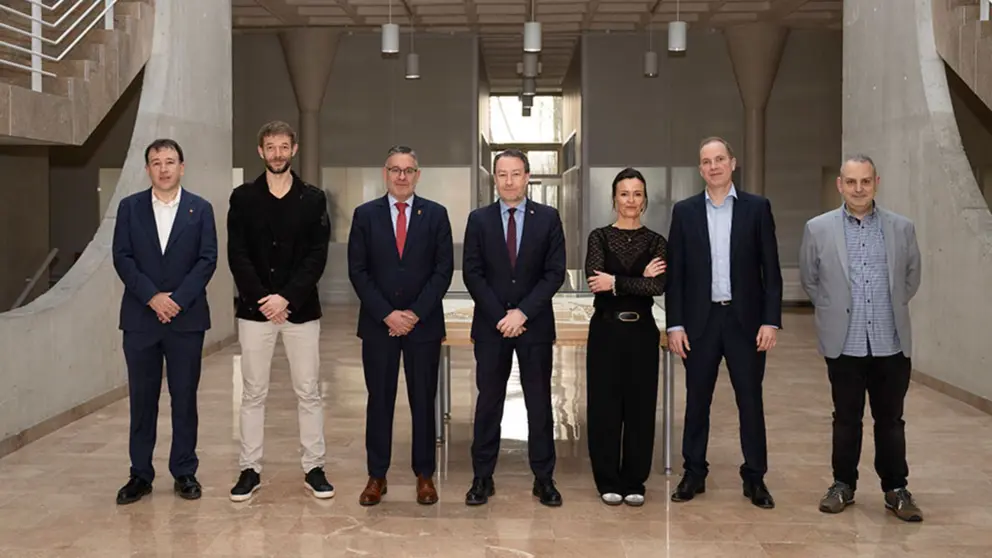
(278, 233)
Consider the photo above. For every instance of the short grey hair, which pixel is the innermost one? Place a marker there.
(859, 158)
(402, 150)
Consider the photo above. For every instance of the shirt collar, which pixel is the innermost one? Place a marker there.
(393, 201)
(871, 214)
(173, 203)
(520, 207)
(731, 194)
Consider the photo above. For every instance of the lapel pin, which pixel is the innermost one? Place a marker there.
(420, 211)
(191, 211)
(531, 211)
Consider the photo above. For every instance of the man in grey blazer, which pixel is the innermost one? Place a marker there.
(860, 266)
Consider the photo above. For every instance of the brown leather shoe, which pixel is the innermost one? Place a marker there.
(426, 493)
(373, 493)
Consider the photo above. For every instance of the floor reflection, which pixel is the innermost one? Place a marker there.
(57, 495)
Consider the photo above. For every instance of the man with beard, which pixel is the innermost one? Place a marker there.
(278, 233)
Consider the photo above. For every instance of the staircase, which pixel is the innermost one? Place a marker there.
(76, 92)
(964, 41)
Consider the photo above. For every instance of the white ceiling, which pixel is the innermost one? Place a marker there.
(500, 22)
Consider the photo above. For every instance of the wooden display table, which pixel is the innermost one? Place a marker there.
(572, 315)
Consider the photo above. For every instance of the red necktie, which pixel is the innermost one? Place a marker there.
(401, 227)
(511, 237)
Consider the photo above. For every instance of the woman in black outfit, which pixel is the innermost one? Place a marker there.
(625, 266)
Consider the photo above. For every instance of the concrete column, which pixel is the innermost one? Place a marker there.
(755, 51)
(309, 53)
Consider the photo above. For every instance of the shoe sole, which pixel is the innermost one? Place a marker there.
(696, 493)
(844, 507)
(748, 496)
(611, 503)
(375, 503)
(245, 497)
(135, 499)
(910, 519)
(189, 496)
(484, 500)
(320, 495)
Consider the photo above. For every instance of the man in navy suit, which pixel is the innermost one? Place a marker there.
(400, 261)
(725, 300)
(514, 263)
(165, 252)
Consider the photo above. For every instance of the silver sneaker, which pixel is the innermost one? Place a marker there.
(612, 499)
(901, 503)
(838, 496)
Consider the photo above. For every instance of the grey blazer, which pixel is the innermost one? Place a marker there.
(823, 271)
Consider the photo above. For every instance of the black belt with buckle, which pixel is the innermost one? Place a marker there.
(628, 316)
(722, 302)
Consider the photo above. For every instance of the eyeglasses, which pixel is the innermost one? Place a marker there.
(396, 171)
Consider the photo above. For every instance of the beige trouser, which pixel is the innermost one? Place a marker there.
(258, 341)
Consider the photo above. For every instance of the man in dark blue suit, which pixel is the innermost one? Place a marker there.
(725, 299)
(400, 261)
(165, 252)
(514, 263)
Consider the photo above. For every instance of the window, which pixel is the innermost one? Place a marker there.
(509, 125)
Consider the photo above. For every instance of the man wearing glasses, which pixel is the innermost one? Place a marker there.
(400, 261)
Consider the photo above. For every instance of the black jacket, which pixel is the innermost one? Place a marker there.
(265, 262)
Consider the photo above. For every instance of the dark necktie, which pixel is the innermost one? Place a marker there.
(511, 237)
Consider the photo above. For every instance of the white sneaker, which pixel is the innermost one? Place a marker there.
(612, 499)
(634, 500)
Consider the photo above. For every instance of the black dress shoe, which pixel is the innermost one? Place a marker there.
(133, 491)
(480, 492)
(188, 488)
(759, 495)
(688, 487)
(546, 491)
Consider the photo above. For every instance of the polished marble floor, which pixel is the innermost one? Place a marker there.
(57, 494)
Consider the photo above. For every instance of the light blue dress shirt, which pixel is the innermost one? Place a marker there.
(394, 212)
(518, 217)
(719, 219)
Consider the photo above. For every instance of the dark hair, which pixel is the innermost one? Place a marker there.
(402, 150)
(164, 143)
(516, 154)
(717, 139)
(276, 128)
(859, 158)
(630, 173)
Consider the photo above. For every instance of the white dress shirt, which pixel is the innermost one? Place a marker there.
(394, 211)
(165, 216)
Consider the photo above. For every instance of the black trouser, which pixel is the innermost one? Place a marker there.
(886, 380)
(183, 352)
(493, 361)
(725, 337)
(621, 397)
(381, 361)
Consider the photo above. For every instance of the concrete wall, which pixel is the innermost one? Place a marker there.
(571, 132)
(61, 353)
(24, 237)
(656, 124)
(368, 107)
(78, 202)
(897, 107)
(974, 121)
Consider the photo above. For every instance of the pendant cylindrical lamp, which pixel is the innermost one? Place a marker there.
(651, 64)
(530, 64)
(390, 38)
(677, 36)
(525, 111)
(530, 87)
(532, 36)
(412, 65)
(527, 101)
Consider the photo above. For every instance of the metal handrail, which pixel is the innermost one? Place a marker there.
(41, 21)
(34, 279)
(37, 38)
(45, 6)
